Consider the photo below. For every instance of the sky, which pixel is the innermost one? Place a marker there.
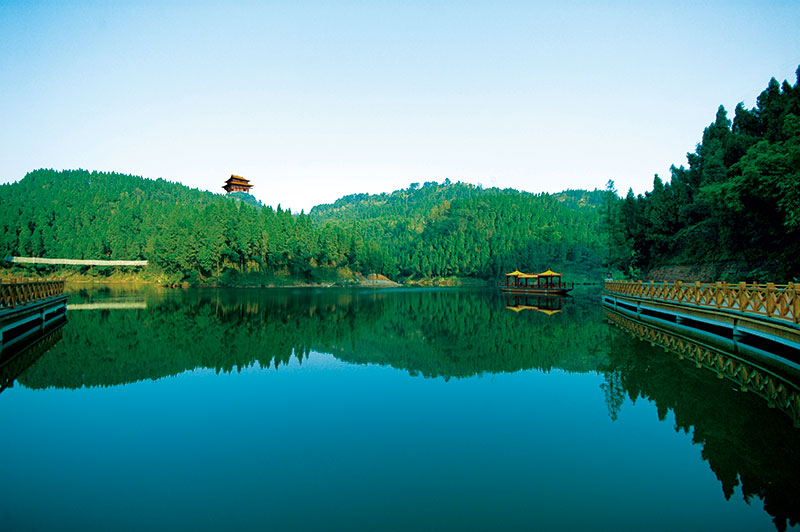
(312, 101)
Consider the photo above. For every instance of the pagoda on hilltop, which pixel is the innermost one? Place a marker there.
(237, 183)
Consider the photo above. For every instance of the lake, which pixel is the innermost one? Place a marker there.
(426, 409)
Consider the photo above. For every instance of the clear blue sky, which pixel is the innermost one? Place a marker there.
(315, 100)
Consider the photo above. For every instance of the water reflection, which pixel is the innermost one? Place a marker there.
(429, 333)
(747, 438)
(18, 359)
(779, 389)
(444, 334)
(545, 304)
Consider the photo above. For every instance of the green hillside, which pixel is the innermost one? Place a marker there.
(186, 234)
(458, 229)
(736, 206)
(449, 229)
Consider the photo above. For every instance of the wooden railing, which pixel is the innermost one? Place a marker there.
(771, 300)
(14, 292)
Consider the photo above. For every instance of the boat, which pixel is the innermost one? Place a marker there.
(545, 283)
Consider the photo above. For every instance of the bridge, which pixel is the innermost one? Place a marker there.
(781, 302)
(760, 320)
(28, 308)
(74, 262)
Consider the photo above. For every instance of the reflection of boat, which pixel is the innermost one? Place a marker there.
(545, 283)
(547, 304)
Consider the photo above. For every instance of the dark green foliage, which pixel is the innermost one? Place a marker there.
(190, 235)
(452, 333)
(185, 233)
(458, 229)
(747, 445)
(737, 202)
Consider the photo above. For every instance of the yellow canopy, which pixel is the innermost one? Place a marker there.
(550, 273)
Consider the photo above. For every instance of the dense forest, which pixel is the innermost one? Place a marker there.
(463, 230)
(736, 206)
(187, 235)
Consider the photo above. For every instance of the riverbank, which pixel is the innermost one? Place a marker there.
(235, 279)
(226, 280)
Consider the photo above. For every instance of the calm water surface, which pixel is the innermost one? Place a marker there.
(394, 410)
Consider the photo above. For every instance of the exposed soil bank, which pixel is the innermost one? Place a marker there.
(732, 272)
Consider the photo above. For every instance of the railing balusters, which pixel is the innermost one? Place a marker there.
(14, 292)
(771, 300)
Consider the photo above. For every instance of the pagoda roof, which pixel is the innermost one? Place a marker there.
(239, 180)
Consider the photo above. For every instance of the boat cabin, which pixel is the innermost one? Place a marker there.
(546, 282)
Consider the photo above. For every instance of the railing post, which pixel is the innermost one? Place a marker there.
(794, 294)
(770, 299)
(697, 298)
(742, 299)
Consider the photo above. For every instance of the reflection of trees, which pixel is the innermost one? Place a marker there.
(14, 362)
(744, 441)
(432, 333)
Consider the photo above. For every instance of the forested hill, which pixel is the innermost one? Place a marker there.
(186, 234)
(735, 208)
(190, 235)
(464, 230)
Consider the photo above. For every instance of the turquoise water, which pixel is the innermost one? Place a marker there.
(396, 410)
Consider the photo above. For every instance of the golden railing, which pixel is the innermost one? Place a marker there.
(14, 292)
(771, 300)
(774, 389)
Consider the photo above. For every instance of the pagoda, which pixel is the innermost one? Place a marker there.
(237, 183)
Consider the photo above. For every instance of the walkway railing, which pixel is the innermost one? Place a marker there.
(13, 292)
(771, 300)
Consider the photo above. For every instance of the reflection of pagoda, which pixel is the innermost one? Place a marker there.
(237, 183)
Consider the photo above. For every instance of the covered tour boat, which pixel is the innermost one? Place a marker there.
(546, 283)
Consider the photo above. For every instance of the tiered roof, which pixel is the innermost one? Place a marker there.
(236, 182)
